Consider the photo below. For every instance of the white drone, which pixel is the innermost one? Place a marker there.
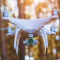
(30, 26)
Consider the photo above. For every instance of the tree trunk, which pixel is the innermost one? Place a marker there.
(21, 15)
(41, 54)
(22, 46)
(21, 50)
(20, 9)
(2, 38)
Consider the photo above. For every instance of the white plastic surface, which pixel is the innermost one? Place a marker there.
(31, 25)
(43, 33)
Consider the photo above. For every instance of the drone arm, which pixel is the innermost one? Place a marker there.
(12, 20)
(49, 32)
(11, 33)
(3, 18)
(6, 18)
(48, 19)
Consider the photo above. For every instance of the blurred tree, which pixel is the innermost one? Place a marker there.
(59, 7)
(2, 38)
(29, 2)
(21, 8)
(39, 7)
(41, 54)
(59, 3)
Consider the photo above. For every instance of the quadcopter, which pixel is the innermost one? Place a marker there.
(30, 26)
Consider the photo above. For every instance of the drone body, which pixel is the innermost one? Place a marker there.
(31, 26)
